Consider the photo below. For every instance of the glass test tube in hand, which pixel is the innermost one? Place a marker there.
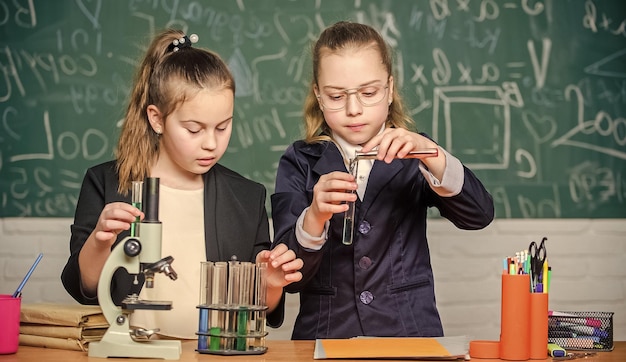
(136, 198)
(348, 221)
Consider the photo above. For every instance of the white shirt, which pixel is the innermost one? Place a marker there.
(364, 166)
(182, 215)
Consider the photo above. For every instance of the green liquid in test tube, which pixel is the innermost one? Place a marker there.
(136, 197)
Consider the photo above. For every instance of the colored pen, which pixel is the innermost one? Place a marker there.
(586, 330)
(561, 334)
(18, 291)
(572, 318)
(549, 277)
(526, 262)
(573, 343)
(544, 276)
(554, 350)
(568, 334)
(512, 267)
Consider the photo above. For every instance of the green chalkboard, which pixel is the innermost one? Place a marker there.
(530, 94)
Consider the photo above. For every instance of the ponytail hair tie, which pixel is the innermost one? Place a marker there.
(184, 42)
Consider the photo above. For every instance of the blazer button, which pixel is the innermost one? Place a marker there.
(365, 262)
(364, 227)
(366, 297)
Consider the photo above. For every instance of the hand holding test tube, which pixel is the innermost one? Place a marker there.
(353, 166)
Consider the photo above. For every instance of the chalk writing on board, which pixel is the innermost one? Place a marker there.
(530, 94)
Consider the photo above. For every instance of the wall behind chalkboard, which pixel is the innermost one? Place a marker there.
(529, 94)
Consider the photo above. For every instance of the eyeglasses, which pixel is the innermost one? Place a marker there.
(369, 95)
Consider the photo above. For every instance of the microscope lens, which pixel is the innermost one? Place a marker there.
(151, 199)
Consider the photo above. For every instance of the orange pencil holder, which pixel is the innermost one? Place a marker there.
(523, 324)
(538, 325)
(515, 318)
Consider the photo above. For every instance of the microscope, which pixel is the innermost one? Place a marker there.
(138, 253)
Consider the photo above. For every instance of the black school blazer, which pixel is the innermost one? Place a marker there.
(235, 223)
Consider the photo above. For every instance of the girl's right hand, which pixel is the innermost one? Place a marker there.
(330, 195)
(114, 218)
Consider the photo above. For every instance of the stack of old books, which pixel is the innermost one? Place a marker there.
(62, 326)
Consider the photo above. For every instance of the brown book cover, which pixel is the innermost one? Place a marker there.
(88, 334)
(71, 315)
(51, 342)
(61, 326)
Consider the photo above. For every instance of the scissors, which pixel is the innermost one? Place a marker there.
(537, 254)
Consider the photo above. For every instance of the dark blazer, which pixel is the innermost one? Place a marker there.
(235, 223)
(382, 284)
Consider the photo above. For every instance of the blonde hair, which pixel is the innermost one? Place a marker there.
(165, 79)
(340, 36)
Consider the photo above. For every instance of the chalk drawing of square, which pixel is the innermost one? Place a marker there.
(474, 123)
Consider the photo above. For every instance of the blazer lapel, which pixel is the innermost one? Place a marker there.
(330, 160)
(210, 217)
(380, 175)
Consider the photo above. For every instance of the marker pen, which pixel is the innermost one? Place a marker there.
(572, 318)
(554, 350)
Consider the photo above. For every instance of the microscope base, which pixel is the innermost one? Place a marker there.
(124, 346)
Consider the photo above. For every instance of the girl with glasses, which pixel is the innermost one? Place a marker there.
(381, 284)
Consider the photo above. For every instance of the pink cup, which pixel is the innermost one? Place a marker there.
(9, 323)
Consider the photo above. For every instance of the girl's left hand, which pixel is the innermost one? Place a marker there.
(397, 143)
(283, 267)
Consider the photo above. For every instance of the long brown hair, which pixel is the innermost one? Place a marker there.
(340, 36)
(165, 79)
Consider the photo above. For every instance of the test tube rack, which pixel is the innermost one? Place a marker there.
(232, 313)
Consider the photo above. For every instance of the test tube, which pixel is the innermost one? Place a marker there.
(234, 272)
(246, 292)
(246, 286)
(260, 303)
(423, 153)
(217, 301)
(234, 275)
(260, 285)
(206, 280)
(348, 218)
(136, 198)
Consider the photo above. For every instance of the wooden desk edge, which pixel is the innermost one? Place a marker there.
(278, 351)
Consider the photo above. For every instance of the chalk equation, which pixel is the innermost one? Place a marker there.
(529, 94)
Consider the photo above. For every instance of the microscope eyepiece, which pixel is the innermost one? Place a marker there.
(151, 200)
